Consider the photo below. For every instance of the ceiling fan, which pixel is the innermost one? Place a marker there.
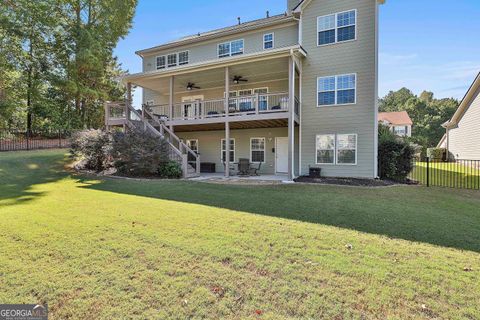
(238, 79)
(191, 86)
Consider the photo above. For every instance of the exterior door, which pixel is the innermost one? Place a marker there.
(281, 155)
(191, 106)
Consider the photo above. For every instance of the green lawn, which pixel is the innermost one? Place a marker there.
(448, 174)
(114, 249)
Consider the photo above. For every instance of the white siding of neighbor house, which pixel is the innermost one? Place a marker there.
(464, 141)
(285, 35)
(343, 58)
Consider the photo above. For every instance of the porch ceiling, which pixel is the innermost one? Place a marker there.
(254, 72)
(274, 123)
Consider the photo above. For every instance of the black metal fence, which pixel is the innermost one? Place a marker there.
(34, 140)
(460, 173)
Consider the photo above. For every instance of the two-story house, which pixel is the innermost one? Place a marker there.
(399, 122)
(288, 92)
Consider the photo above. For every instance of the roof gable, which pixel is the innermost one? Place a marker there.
(395, 118)
(465, 104)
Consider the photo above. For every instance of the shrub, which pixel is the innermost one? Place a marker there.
(92, 147)
(436, 154)
(139, 153)
(395, 156)
(170, 170)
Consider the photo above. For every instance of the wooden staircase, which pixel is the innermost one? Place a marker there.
(123, 114)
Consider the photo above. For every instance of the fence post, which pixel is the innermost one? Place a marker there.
(28, 144)
(428, 171)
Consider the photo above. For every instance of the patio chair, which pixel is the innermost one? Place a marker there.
(243, 167)
(254, 170)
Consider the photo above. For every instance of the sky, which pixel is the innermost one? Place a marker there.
(424, 44)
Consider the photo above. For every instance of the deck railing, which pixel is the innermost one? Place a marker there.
(244, 105)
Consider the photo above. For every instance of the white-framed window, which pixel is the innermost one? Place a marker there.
(337, 27)
(325, 149)
(268, 41)
(183, 58)
(400, 130)
(231, 48)
(346, 149)
(223, 148)
(340, 149)
(161, 62)
(172, 60)
(337, 90)
(257, 149)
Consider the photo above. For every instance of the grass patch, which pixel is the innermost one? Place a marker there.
(447, 174)
(106, 248)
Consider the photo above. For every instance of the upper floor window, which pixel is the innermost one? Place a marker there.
(172, 60)
(231, 48)
(268, 41)
(183, 58)
(161, 62)
(336, 90)
(338, 27)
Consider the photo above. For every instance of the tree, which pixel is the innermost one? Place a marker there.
(91, 30)
(56, 60)
(28, 24)
(427, 113)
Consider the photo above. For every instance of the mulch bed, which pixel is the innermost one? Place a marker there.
(357, 182)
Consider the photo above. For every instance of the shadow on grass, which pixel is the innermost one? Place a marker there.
(19, 171)
(443, 217)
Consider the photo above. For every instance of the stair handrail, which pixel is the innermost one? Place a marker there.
(172, 134)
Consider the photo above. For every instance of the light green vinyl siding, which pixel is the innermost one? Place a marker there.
(343, 58)
(285, 36)
(209, 145)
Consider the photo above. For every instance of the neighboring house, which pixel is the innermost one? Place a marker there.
(399, 122)
(302, 90)
(462, 138)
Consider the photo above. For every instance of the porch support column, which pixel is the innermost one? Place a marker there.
(291, 117)
(227, 123)
(171, 97)
(128, 104)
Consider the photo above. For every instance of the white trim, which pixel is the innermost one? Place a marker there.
(336, 149)
(177, 58)
(276, 150)
(214, 63)
(336, 90)
(230, 49)
(188, 56)
(222, 150)
(337, 27)
(156, 62)
(376, 98)
(264, 149)
(273, 40)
